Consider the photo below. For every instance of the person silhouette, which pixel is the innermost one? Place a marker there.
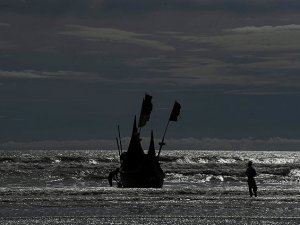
(251, 173)
(114, 175)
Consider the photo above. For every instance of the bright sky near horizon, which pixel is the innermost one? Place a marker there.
(71, 70)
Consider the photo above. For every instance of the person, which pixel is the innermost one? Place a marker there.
(251, 173)
(113, 175)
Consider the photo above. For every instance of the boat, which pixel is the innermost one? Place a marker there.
(137, 168)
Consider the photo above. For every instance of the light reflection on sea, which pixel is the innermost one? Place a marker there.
(61, 187)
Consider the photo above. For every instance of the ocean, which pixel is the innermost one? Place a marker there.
(201, 187)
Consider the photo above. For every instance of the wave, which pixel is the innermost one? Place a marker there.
(295, 173)
(199, 157)
(49, 157)
(184, 157)
(198, 178)
(92, 167)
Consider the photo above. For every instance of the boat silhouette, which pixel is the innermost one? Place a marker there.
(137, 168)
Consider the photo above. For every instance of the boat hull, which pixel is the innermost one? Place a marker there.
(133, 179)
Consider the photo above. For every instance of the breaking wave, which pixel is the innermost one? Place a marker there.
(194, 157)
(91, 168)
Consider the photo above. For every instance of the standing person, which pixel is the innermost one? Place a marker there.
(251, 173)
(114, 175)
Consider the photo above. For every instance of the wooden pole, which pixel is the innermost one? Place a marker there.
(118, 146)
(161, 144)
(121, 149)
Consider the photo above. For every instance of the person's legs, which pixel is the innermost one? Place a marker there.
(250, 190)
(255, 190)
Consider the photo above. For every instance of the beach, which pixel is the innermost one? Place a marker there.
(201, 187)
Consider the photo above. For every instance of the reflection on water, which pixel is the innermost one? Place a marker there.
(70, 187)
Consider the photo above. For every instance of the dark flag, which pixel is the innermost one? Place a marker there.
(175, 112)
(146, 110)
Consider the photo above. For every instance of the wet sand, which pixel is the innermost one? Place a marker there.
(163, 206)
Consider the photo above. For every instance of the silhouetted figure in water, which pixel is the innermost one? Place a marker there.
(113, 175)
(251, 173)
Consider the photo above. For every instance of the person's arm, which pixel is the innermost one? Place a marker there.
(254, 173)
(247, 172)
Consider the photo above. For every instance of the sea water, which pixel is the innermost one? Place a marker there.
(201, 187)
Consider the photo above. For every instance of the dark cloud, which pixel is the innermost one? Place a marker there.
(236, 6)
(96, 8)
(44, 7)
(246, 144)
(117, 36)
(73, 69)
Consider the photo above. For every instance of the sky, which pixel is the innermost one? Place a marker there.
(72, 70)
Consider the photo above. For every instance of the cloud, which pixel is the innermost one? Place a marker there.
(261, 92)
(111, 8)
(251, 29)
(282, 63)
(44, 7)
(4, 24)
(235, 6)
(190, 143)
(6, 45)
(115, 35)
(80, 76)
(21, 75)
(33, 74)
(271, 72)
(275, 38)
(193, 71)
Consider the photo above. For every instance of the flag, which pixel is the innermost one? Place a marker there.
(146, 110)
(175, 112)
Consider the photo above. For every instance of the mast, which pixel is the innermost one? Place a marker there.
(173, 117)
(121, 148)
